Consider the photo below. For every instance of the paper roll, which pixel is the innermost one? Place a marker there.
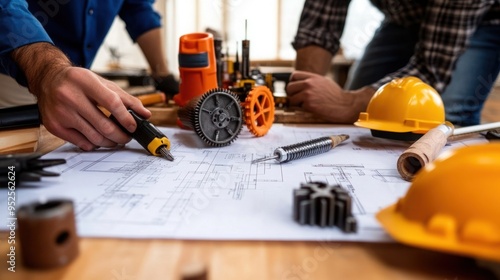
(423, 151)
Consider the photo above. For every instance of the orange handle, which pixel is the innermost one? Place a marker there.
(152, 98)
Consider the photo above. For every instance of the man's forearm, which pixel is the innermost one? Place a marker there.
(313, 59)
(152, 47)
(40, 62)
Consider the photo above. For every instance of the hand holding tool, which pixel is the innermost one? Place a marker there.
(152, 139)
(427, 148)
(305, 149)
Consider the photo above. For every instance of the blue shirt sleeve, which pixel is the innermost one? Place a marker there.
(139, 17)
(19, 27)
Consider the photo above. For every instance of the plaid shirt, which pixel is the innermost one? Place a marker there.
(445, 28)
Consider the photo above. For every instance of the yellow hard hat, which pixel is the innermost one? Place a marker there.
(452, 205)
(403, 105)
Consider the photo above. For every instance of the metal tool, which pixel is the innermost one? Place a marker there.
(219, 60)
(26, 167)
(305, 149)
(245, 56)
(429, 146)
(152, 139)
(317, 203)
(236, 65)
(493, 134)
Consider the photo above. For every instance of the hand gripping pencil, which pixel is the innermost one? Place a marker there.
(152, 139)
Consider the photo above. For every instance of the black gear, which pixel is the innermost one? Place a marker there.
(317, 203)
(216, 117)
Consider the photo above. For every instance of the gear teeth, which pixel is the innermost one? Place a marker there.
(317, 203)
(256, 128)
(200, 125)
(185, 114)
(248, 119)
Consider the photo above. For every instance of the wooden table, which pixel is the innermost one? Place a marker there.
(122, 259)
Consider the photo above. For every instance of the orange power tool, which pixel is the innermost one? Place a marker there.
(197, 66)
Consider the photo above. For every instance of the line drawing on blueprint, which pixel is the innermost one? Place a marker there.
(217, 193)
(128, 183)
(349, 178)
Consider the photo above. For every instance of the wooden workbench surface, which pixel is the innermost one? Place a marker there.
(164, 259)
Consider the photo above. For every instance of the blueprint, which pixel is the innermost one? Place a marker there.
(217, 193)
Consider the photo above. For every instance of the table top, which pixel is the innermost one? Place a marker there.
(166, 259)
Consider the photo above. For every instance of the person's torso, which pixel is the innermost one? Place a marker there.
(411, 12)
(78, 27)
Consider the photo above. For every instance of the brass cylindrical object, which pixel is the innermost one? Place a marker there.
(47, 233)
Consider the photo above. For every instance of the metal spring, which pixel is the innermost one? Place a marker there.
(304, 149)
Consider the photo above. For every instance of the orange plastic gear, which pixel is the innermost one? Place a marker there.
(259, 110)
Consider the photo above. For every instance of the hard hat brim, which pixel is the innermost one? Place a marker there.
(415, 234)
(387, 126)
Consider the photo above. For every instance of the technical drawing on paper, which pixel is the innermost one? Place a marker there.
(216, 193)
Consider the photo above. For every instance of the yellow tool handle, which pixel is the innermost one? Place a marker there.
(156, 143)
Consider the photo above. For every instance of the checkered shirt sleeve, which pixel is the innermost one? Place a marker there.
(445, 29)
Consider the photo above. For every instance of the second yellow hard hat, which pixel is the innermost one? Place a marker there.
(452, 204)
(403, 105)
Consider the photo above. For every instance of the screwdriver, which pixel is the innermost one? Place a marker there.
(305, 149)
(152, 139)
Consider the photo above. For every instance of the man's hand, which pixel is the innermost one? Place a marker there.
(322, 96)
(68, 106)
(68, 98)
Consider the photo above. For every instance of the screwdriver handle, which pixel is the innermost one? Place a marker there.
(146, 134)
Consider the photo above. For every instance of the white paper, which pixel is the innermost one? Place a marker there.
(216, 193)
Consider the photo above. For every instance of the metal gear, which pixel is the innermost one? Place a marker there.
(259, 110)
(318, 203)
(215, 116)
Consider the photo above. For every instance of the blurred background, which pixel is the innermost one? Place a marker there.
(271, 27)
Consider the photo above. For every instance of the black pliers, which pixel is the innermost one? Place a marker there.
(493, 134)
(25, 167)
